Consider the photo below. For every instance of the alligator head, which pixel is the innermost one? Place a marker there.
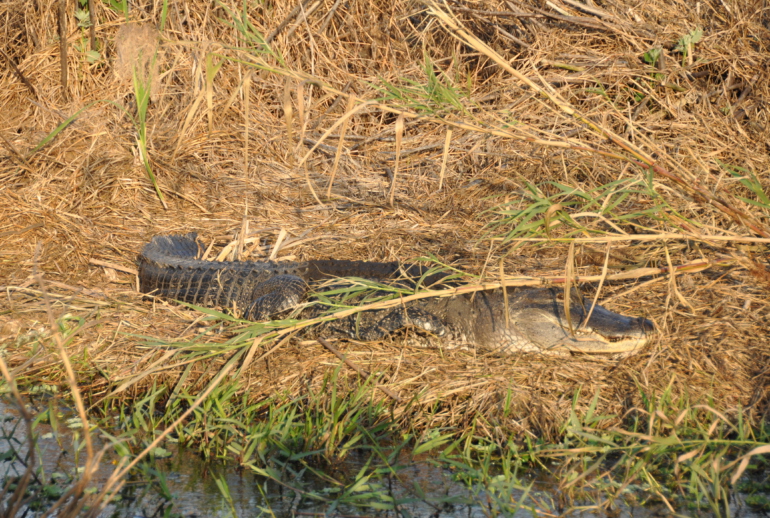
(537, 322)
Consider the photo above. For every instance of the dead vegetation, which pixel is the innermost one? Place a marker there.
(389, 131)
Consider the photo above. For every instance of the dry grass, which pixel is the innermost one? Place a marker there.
(229, 132)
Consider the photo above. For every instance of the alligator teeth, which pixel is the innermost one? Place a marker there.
(614, 339)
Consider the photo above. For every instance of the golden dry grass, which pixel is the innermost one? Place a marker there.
(229, 133)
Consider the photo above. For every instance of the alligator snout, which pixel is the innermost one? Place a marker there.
(646, 326)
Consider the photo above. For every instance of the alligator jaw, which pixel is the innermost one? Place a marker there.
(591, 342)
(540, 315)
(608, 332)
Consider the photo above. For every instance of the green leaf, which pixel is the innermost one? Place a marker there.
(432, 444)
(652, 56)
(161, 453)
(53, 491)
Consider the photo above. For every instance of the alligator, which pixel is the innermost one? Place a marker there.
(536, 320)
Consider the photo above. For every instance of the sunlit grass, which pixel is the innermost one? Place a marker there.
(559, 211)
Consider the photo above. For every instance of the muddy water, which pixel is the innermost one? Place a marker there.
(192, 484)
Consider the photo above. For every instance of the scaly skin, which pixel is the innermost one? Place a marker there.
(536, 319)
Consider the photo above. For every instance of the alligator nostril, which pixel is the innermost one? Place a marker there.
(647, 326)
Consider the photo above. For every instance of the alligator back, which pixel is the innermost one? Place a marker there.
(169, 268)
